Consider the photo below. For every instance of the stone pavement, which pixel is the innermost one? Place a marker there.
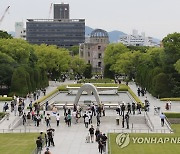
(71, 140)
(154, 102)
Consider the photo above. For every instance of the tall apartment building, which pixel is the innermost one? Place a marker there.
(60, 31)
(93, 50)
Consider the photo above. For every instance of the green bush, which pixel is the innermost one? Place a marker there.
(5, 98)
(172, 115)
(170, 99)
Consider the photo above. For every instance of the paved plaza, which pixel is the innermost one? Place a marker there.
(71, 140)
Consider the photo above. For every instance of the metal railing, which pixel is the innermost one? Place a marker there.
(148, 121)
(25, 130)
(138, 131)
(17, 121)
(168, 124)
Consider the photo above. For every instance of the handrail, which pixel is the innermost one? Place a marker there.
(16, 121)
(20, 130)
(148, 121)
(168, 124)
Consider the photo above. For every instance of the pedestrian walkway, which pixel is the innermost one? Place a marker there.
(71, 140)
(154, 102)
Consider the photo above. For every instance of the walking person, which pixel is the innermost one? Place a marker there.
(69, 120)
(100, 146)
(98, 119)
(28, 118)
(127, 120)
(133, 108)
(57, 119)
(47, 119)
(97, 132)
(122, 109)
(24, 118)
(91, 131)
(39, 145)
(129, 108)
(162, 116)
(86, 121)
(104, 139)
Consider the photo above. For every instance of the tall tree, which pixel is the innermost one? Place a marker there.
(5, 35)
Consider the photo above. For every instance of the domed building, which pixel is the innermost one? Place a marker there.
(93, 50)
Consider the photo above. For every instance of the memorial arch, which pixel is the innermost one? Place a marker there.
(89, 88)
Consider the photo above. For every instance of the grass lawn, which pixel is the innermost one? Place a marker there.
(17, 143)
(151, 148)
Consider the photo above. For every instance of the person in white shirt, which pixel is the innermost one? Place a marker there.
(86, 121)
(57, 119)
(162, 116)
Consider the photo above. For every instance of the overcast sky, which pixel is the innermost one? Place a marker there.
(156, 18)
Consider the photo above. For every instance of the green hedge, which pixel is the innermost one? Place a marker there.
(96, 84)
(170, 99)
(5, 98)
(123, 87)
(172, 115)
(62, 88)
(2, 114)
(96, 81)
(46, 96)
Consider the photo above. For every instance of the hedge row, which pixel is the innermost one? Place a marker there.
(46, 96)
(5, 98)
(96, 81)
(2, 114)
(96, 84)
(172, 115)
(170, 99)
(123, 87)
(62, 88)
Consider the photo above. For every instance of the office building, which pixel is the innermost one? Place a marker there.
(60, 31)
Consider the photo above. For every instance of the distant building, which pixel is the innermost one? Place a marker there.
(137, 40)
(63, 33)
(93, 50)
(61, 11)
(20, 31)
(60, 31)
